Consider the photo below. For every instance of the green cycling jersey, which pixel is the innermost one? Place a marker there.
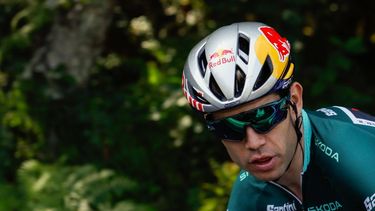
(338, 171)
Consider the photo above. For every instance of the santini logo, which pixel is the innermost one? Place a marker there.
(370, 202)
(244, 175)
(285, 207)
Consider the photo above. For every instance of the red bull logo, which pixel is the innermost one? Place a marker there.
(281, 44)
(221, 56)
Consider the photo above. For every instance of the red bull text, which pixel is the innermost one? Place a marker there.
(220, 57)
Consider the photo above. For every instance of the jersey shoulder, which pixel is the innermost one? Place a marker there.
(244, 190)
(344, 143)
(344, 128)
(342, 115)
(249, 193)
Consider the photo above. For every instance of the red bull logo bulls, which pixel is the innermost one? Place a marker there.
(221, 56)
(281, 44)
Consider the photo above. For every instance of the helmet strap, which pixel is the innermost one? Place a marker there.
(297, 128)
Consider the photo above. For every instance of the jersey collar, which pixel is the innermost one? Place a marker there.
(306, 139)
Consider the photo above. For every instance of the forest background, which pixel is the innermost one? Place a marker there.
(92, 115)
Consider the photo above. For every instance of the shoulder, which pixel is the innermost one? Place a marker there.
(343, 114)
(344, 141)
(248, 193)
(244, 192)
(343, 129)
(338, 121)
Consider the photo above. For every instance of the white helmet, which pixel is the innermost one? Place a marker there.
(236, 64)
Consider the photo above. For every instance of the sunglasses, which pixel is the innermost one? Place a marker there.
(262, 119)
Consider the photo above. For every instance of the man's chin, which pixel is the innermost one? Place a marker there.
(266, 176)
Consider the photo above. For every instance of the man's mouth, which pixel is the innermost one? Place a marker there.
(263, 163)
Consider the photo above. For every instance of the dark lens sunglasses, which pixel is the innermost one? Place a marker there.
(261, 119)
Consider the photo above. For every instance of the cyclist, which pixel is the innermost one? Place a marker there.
(240, 79)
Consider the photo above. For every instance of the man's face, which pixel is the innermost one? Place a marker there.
(265, 156)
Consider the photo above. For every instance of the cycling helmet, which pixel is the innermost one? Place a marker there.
(236, 64)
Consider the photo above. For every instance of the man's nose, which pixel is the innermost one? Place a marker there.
(254, 140)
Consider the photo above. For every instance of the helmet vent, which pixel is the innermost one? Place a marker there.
(240, 81)
(202, 62)
(243, 48)
(199, 97)
(264, 74)
(214, 87)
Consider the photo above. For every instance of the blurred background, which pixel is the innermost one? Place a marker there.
(92, 115)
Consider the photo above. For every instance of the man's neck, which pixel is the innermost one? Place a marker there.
(292, 177)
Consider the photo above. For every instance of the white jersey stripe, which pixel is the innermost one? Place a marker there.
(355, 120)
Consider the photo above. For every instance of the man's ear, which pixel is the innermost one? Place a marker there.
(296, 93)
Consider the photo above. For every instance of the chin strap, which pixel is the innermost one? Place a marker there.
(297, 128)
(297, 123)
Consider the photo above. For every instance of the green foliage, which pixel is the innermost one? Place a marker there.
(214, 196)
(57, 187)
(21, 136)
(23, 22)
(10, 197)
